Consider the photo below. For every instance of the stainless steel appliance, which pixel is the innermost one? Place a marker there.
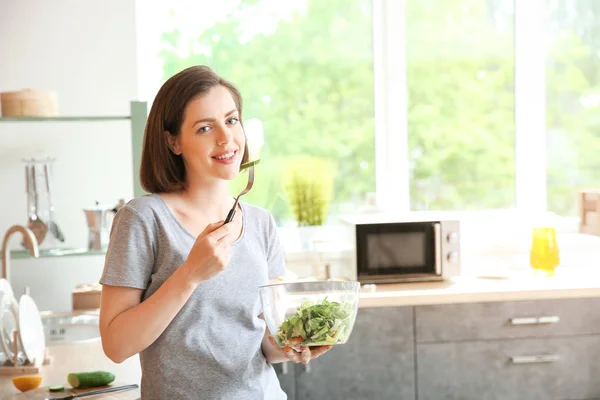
(405, 250)
(99, 225)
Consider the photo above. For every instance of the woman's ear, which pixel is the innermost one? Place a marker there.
(172, 142)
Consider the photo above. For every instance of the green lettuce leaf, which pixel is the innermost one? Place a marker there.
(316, 324)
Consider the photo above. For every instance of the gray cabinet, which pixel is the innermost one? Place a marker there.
(376, 363)
(531, 369)
(529, 350)
(525, 350)
(285, 373)
(505, 320)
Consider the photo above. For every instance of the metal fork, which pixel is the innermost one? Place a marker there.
(246, 190)
(94, 392)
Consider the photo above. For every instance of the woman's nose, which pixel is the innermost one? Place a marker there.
(224, 136)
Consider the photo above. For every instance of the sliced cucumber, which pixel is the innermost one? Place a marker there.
(90, 379)
(249, 164)
(56, 388)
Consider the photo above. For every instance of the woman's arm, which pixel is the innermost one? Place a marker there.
(128, 326)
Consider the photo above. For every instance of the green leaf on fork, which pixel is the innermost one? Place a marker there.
(249, 164)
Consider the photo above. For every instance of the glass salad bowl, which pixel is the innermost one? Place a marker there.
(313, 313)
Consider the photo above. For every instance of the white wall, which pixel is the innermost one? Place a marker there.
(86, 52)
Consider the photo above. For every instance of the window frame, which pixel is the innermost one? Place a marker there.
(392, 168)
(391, 136)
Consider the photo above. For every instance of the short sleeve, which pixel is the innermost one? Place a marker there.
(130, 255)
(275, 252)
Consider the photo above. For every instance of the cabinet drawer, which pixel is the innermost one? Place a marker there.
(516, 319)
(532, 369)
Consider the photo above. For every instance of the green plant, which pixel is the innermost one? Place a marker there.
(308, 186)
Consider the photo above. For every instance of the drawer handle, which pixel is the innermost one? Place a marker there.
(285, 368)
(542, 358)
(535, 320)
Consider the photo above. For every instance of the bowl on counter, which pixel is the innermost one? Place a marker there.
(310, 313)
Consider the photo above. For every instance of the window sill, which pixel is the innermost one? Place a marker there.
(498, 239)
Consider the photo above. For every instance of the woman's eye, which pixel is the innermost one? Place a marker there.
(232, 121)
(204, 129)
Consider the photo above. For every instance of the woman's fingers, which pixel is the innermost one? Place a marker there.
(319, 350)
(291, 354)
(303, 354)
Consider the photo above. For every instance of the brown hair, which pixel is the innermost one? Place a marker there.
(161, 170)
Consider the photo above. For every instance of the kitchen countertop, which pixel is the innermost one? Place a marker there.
(88, 355)
(43, 393)
(576, 283)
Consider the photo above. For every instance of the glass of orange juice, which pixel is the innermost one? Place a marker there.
(544, 256)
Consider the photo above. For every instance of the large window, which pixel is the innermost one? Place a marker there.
(460, 109)
(572, 100)
(305, 71)
(433, 104)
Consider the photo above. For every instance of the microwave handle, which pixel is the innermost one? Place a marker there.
(438, 248)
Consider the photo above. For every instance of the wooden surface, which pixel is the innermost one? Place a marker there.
(43, 393)
(579, 284)
(77, 357)
(11, 370)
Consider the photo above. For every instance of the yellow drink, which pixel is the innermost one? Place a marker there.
(544, 256)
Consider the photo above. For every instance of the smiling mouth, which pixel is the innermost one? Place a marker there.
(226, 156)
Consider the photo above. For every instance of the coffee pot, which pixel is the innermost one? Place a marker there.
(99, 224)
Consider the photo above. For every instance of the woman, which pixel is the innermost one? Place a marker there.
(180, 287)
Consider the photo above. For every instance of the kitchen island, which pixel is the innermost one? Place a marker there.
(466, 338)
(521, 338)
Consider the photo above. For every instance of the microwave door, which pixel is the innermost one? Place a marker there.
(399, 250)
(382, 254)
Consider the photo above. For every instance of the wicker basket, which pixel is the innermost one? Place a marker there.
(29, 103)
(87, 296)
(589, 206)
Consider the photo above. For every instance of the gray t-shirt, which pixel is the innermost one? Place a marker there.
(212, 348)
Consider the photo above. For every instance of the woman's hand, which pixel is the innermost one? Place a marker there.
(303, 356)
(211, 252)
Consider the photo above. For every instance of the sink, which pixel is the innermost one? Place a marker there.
(66, 328)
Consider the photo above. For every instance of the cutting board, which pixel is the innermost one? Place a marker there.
(42, 393)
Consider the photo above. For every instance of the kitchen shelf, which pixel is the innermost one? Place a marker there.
(65, 252)
(137, 118)
(66, 119)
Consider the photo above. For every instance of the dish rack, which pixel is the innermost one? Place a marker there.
(14, 368)
(23, 339)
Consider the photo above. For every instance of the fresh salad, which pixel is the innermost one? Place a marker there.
(316, 324)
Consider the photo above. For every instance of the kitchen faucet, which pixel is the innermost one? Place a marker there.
(30, 242)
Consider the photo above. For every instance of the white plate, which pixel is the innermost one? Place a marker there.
(9, 314)
(5, 287)
(31, 331)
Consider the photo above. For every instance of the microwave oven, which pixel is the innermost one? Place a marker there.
(406, 250)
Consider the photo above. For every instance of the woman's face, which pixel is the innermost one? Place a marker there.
(211, 141)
